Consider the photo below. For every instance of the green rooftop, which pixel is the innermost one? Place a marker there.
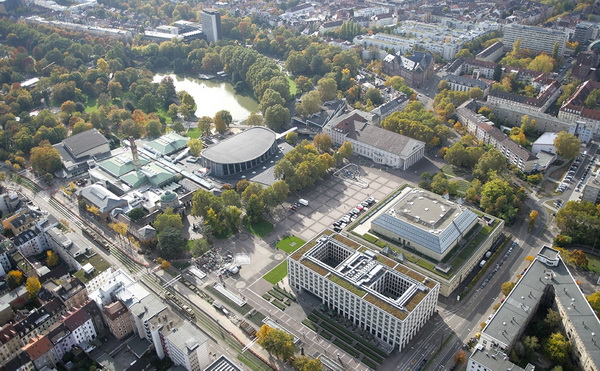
(168, 143)
(120, 165)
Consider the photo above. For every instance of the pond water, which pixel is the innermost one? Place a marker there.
(211, 96)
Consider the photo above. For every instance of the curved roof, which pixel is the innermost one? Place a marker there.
(242, 147)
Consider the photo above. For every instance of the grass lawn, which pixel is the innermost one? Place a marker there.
(463, 185)
(593, 263)
(290, 244)
(91, 105)
(276, 274)
(97, 261)
(260, 228)
(164, 116)
(292, 86)
(449, 170)
(193, 133)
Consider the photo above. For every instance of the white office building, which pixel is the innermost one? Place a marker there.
(378, 294)
(211, 25)
(537, 39)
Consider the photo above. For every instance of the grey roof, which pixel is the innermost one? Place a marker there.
(491, 49)
(84, 141)
(242, 147)
(187, 337)
(436, 235)
(357, 127)
(101, 197)
(25, 237)
(496, 360)
(467, 81)
(223, 364)
(515, 312)
(390, 106)
(416, 61)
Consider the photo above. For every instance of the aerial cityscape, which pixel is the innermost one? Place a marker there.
(284, 185)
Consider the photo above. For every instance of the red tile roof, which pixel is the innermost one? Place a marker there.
(37, 347)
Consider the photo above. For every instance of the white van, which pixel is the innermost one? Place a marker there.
(303, 202)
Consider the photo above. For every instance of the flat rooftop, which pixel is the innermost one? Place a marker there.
(515, 312)
(242, 147)
(367, 274)
(424, 210)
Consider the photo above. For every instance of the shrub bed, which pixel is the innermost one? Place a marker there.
(308, 323)
(284, 293)
(369, 362)
(326, 335)
(267, 297)
(279, 304)
(276, 295)
(346, 348)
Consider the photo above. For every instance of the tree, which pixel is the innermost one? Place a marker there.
(345, 150)
(270, 98)
(45, 160)
(309, 104)
(578, 258)
(204, 125)
(579, 221)
(291, 137)
(33, 286)
(443, 85)
(154, 129)
(533, 217)
(119, 228)
(327, 88)
(277, 116)
(464, 53)
(542, 63)
(255, 208)
(531, 344)
(304, 363)
(500, 199)
(557, 347)
(195, 146)
(52, 259)
(323, 142)
(552, 320)
(497, 72)
(567, 145)
(168, 219)
(296, 63)
(14, 279)
(594, 300)
(276, 341)
(231, 198)
(255, 119)
(170, 242)
(222, 121)
(136, 214)
(164, 264)
(491, 160)
(373, 95)
(199, 246)
(459, 357)
(507, 287)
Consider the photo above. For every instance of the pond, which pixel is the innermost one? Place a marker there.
(211, 96)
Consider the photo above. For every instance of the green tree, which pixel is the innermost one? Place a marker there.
(327, 88)
(45, 160)
(464, 53)
(296, 63)
(552, 320)
(580, 221)
(542, 63)
(168, 219)
(567, 145)
(269, 99)
(170, 242)
(531, 344)
(594, 300)
(231, 198)
(255, 119)
(277, 116)
(52, 259)
(304, 363)
(154, 129)
(323, 142)
(255, 208)
(443, 85)
(276, 342)
(499, 198)
(136, 214)
(373, 95)
(557, 347)
(205, 124)
(33, 286)
(222, 121)
(198, 247)
(491, 160)
(196, 146)
(345, 150)
(291, 137)
(14, 279)
(309, 104)
(507, 287)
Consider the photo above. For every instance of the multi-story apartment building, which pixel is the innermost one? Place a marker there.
(380, 145)
(574, 109)
(484, 130)
(118, 319)
(591, 190)
(10, 343)
(547, 278)
(537, 39)
(382, 296)
(211, 25)
(492, 53)
(5, 264)
(72, 292)
(21, 221)
(463, 83)
(40, 352)
(31, 242)
(547, 95)
(81, 326)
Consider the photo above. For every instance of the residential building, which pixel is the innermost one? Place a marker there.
(485, 131)
(329, 26)
(492, 53)
(377, 294)
(544, 143)
(586, 66)
(591, 190)
(574, 109)
(378, 114)
(537, 39)
(31, 242)
(185, 345)
(5, 263)
(64, 247)
(380, 145)
(22, 221)
(546, 278)
(79, 150)
(118, 319)
(223, 363)
(71, 291)
(39, 320)
(547, 95)
(10, 343)
(415, 69)
(425, 222)
(211, 24)
(62, 342)
(463, 83)
(40, 352)
(81, 326)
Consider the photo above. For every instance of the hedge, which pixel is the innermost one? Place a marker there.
(345, 347)
(308, 323)
(279, 304)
